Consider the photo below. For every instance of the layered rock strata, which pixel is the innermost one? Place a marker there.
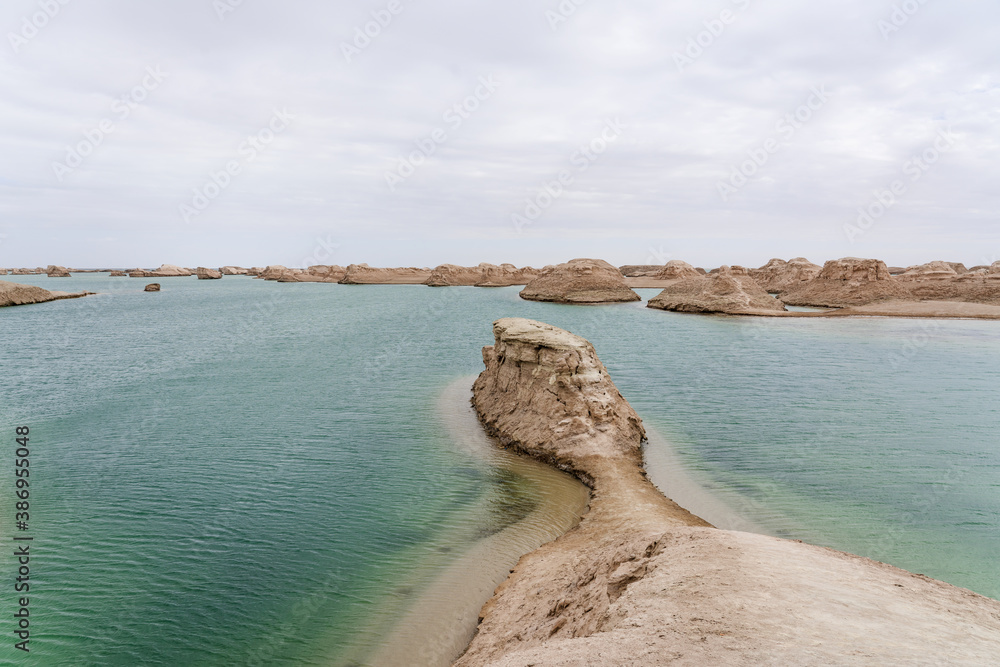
(848, 282)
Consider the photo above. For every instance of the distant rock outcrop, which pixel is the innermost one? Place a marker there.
(152, 287)
(233, 271)
(320, 273)
(118, 274)
(16, 294)
(932, 271)
(27, 272)
(724, 290)
(640, 270)
(779, 276)
(675, 269)
(848, 282)
(580, 281)
(208, 274)
(482, 275)
(170, 271)
(54, 271)
(272, 272)
(139, 273)
(362, 274)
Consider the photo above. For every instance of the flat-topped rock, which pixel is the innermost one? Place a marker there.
(118, 274)
(848, 282)
(580, 281)
(169, 271)
(505, 275)
(208, 274)
(320, 273)
(362, 274)
(779, 276)
(724, 290)
(272, 272)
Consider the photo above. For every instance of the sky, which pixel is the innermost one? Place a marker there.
(420, 132)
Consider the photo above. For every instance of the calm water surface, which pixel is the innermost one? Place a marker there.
(242, 472)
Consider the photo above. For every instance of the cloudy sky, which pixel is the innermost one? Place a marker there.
(417, 132)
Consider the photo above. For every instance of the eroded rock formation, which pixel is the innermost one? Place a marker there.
(580, 281)
(16, 294)
(362, 274)
(779, 276)
(848, 282)
(54, 271)
(207, 274)
(724, 290)
(643, 582)
(675, 269)
(169, 271)
(152, 287)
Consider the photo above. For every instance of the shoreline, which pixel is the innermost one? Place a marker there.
(441, 620)
(641, 581)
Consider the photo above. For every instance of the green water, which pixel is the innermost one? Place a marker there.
(241, 472)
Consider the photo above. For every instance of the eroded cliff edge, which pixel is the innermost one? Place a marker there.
(642, 581)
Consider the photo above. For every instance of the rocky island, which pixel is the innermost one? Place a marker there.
(580, 281)
(727, 289)
(642, 581)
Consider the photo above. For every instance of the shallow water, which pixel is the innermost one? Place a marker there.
(242, 472)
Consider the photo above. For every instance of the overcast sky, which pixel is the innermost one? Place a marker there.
(210, 132)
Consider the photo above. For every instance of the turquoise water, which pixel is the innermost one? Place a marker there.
(241, 472)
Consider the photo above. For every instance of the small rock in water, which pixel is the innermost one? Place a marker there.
(153, 287)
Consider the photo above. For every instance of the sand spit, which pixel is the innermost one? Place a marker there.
(642, 581)
(16, 294)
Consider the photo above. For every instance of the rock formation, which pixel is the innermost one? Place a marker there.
(640, 270)
(54, 271)
(207, 274)
(169, 271)
(505, 275)
(675, 269)
(482, 275)
(724, 290)
(779, 276)
(233, 271)
(580, 281)
(27, 272)
(16, 294)
(139, 273)
(272, 272)
(931, 271)
(362, 274)
(152, 287)
(117, 274)
(847, 282)
(314, 274)
(641, 581)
